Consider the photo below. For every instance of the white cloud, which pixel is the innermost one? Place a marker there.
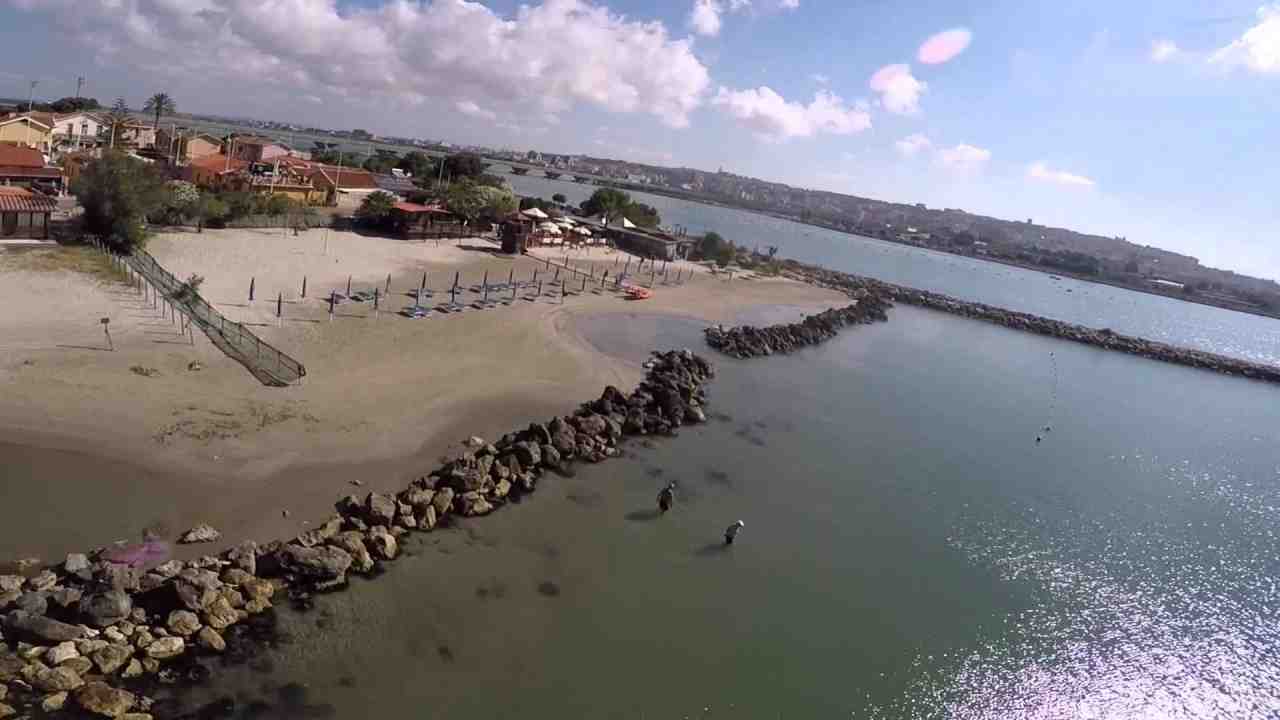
(899, 90)
(736, 5)
(1040, 171)
(548, 58)
(788, 4)
(848, 156)
(772, 116)
(964, 157)
(913, 144)
(705, 17)
(467, 107)
(820, 79)
(944, 47)
(1163, 50)
(1259, 48)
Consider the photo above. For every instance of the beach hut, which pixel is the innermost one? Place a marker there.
(412, 220)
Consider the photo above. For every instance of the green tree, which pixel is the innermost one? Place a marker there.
(418, 164)
(711, 246)
(73, 104)
(381, 162)
(277, 205)
(160, 104)
(331, 157)
(642, 215)
(610, 202)
(376, 208)
(474, 201)
(559, 198)
(117, 193)
(463, 165)
(181, 200)
(211, 210)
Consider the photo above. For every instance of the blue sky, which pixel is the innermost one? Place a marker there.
(1150, 120)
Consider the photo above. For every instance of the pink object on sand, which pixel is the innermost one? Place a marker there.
(151, 552)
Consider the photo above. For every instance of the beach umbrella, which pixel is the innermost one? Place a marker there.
(535, 213)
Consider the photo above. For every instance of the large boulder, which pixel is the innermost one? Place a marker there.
(220, 614)
(117, 576)
(66, 597)
(201, 533)
(43, 581)
(166, 647)
(183, 622)
(57, 679)
(11, 583)
(591, 424)
(352, 543)
(442, 501)
(539, 433)
(258, 589)
(245, 557)
(40, 629)
(529, 454)
(417, 498)
(61, 652)
(473, 504)
(36, 603)
(550, 457)
(76, 562)
(380, 509)
(318, 536)
(111, 658)
(382, 544)
(322, 565)
(427, 517)
(101, 699)
(209, 639)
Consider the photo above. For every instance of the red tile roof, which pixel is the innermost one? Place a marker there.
(17, 171)
(20, 156)
(218, 163)
(347, 178)
(16, 199)
(416, 208)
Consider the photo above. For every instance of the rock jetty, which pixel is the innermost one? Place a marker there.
(1106, 338)
(747, 341)
(94, 636)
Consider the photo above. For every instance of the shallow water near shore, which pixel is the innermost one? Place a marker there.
(910, 550)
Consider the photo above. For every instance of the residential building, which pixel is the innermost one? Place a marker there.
(76, 131)
(25, 166)
(184, 145)
(28, 132)
(257, 149)
(397, 185)
(24, 214)
(343, 186)
(276, 178)
(213, 171)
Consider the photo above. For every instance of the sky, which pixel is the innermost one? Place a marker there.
(1149, 119)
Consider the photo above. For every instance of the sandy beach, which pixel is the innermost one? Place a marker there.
(382, 398)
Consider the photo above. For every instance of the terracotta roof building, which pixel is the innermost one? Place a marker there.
(24, 166)
(24, 214)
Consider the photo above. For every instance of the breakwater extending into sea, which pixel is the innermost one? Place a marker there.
(879, 292)
(102, 631)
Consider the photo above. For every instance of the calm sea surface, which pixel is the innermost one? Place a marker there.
(910, 551)
(1149, 316)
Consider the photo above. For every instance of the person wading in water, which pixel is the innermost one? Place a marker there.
(667, 497)
(731, 532)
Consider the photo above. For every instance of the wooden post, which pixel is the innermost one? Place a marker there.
(332, 298)
(388, 290)
(304, 286)
(375, 303)
(280, 309)
(106, 322)
(348, 286)
(423, 286)
(252, 281)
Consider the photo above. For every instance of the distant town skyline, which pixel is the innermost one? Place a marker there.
(1142, 119)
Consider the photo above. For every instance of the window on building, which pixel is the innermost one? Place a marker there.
(24, 220)
(84, 127)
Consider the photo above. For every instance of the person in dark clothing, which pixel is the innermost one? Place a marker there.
(667, 497)
(731, 532)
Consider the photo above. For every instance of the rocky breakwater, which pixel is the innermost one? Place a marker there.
(93, 635)
(1103, 338)
(746, 341)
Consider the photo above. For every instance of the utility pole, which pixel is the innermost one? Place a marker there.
(79, 86)
(30, 104)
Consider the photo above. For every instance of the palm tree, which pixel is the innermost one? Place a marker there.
(160, 104)
(116, 119)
